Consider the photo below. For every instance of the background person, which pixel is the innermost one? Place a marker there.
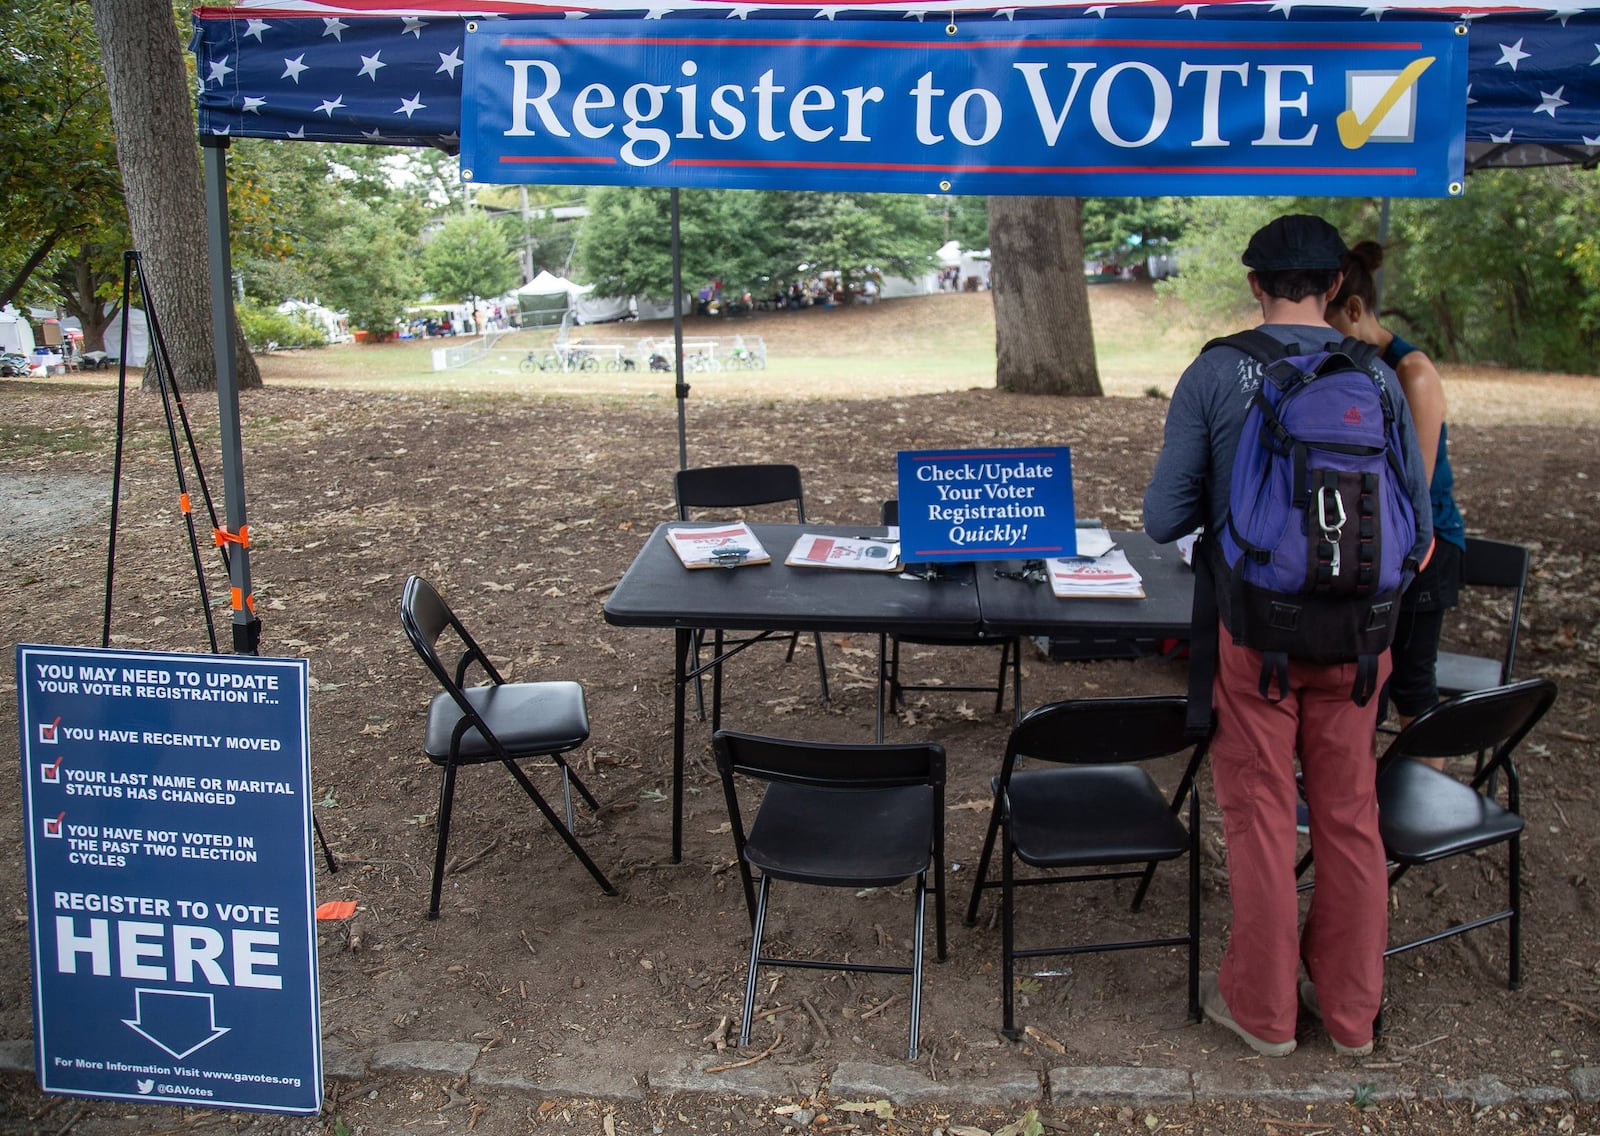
(1295, 273)
(1413, 686)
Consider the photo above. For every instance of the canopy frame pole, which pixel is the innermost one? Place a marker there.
(682, 388)
(214, 152)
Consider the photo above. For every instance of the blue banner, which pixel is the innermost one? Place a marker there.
(1074, 107)
(960, 505)
(167, 826)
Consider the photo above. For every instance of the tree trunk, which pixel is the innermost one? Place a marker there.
(152, 113)
(1041, 301)
(93, 315)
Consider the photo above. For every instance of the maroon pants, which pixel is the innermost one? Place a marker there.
(1253, 766)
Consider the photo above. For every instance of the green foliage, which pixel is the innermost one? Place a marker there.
(1123, 229)
(857, 234)
(58, 165)
(1504, 274)
(750, 240)
(265, 328)
(625, 245)
(469, 259)
(1365, 1095)
(369, 272)
(964, 219)
(1508, 273)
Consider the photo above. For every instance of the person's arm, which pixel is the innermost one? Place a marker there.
(1416, 481)
(1175, 500)
(1424, 391)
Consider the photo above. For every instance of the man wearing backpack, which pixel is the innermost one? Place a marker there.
(1274, 703)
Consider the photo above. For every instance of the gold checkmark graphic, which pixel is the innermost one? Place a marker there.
(1354, 132)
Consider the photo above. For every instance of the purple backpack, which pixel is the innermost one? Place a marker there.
(1317, 546)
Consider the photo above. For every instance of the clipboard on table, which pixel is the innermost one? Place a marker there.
(1107, 576)
(728, 544)
(864, 554)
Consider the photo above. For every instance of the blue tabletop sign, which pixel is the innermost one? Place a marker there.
(986, 504)
(167, 825)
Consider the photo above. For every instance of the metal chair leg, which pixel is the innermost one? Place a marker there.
(1007, 941)
(447, 792)
(561, 830)
(920, 907)
(983, 863)
(755, 961)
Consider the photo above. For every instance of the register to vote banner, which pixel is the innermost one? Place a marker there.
(1082, 107)
(986, 504)
(167, 824)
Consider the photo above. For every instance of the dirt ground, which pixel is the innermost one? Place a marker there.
(525, 511)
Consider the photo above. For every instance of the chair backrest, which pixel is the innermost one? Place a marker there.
(829, 764)
(1103, 731)
(426, 617)
(1499, 564)
(826, 765)
(890, 514)
(737, 487)
(1495, 719)
(1107, 731)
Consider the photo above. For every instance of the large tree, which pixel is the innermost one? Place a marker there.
(858, 234)
(1043, 337)
(152, 111)
(469, 259)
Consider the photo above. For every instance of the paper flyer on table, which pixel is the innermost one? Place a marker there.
(866, 554)
(1108, 576)
(725, 545)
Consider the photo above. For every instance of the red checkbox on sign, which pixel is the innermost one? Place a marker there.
(47, 734)
(53, 828)
(51, 774)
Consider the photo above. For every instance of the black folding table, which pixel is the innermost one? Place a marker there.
(959, 599)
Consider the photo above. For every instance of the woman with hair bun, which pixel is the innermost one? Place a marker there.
(1413, 688)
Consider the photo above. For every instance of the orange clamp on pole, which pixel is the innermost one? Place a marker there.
(241, 538)
(240, 600)
(183, 503)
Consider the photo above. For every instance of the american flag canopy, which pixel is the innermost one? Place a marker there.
(356, 71)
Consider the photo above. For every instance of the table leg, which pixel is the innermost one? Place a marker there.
(683, 648)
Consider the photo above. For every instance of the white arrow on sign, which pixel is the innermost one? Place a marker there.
(179, 1022)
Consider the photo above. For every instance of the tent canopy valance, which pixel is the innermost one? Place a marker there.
(352, 71)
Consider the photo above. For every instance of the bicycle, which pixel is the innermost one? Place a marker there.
(747, 358)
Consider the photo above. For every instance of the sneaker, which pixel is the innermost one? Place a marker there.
(1211, 1002)
(1302, 817)
(1308, 999)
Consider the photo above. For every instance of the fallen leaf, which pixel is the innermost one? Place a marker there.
(882, 1109)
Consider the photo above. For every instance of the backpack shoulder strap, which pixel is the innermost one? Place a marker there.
(1255, 343)
(1358, 351)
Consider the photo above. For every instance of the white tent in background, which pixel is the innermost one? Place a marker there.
(334, 325)
(544, 300)
(138, 338)
(16, 334)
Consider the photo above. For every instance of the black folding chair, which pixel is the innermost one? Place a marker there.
(891, 689)
(1426, 816)
(1487, 564)
(848, 816)
(735, 487)
(1095, 806)
(499, 721)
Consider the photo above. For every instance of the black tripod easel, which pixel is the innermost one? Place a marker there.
(160, 364)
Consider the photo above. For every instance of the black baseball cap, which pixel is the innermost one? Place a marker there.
(1297, 241)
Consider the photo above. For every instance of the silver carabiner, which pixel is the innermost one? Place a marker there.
(1331, 532)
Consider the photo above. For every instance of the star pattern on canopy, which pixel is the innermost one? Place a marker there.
(272, 74)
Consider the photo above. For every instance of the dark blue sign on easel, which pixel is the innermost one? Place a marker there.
(167, 824)
(960, 505)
